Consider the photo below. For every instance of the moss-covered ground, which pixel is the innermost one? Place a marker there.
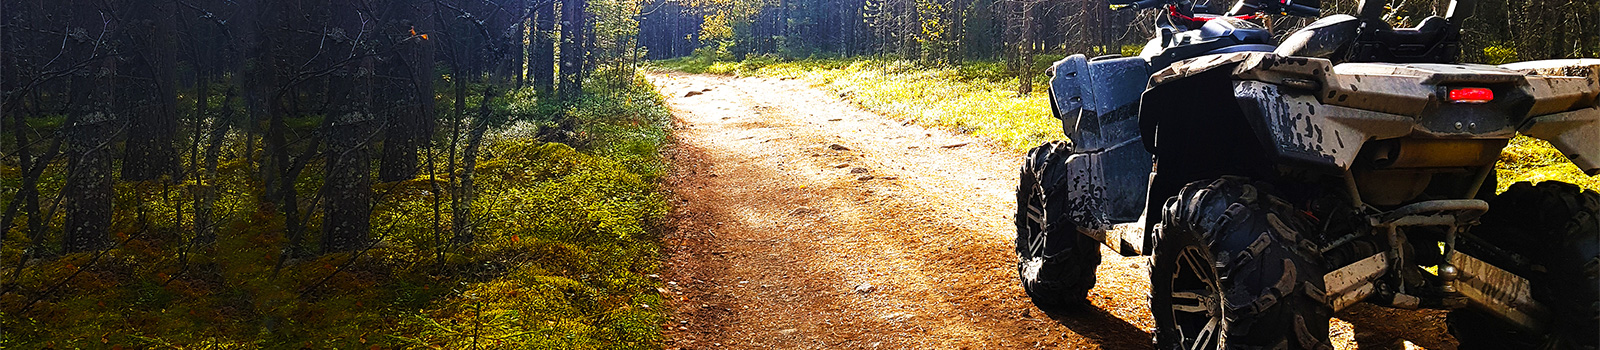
(562, 254)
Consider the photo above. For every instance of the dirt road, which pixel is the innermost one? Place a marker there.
(803, 222)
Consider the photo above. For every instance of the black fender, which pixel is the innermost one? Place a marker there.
(1097, 101)
(1194, 125)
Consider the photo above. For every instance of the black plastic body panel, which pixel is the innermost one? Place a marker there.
(1098, 104)
(1218, 35)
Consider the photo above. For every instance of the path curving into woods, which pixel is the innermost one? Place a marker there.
(803, 222)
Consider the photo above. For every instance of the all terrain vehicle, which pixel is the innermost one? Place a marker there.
(1275, 184)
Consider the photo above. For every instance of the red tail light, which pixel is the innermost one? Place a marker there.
(1471, 95)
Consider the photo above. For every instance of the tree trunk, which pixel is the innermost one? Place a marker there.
(203, 184)
(1025, 73)
(88, 189)
(150, 92)
(587, 29)
(347, 187)
(88, 132)
(277, 170)
(27, 197)
(347, 211)
(544, 50)
(572, 53)
(520, 48)
(469, 164)
(205, 228)
(410, 120)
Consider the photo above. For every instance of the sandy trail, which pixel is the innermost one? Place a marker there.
(802, 221)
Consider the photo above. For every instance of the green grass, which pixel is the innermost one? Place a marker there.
(565, 245)
(980, 98)
(1534, 160)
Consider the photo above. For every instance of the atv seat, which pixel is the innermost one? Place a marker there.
(1342, 39)
(1322, 38)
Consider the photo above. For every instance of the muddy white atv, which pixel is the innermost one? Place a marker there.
(1275, 184)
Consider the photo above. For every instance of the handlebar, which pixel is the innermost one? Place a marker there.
(1148, 3)
(1289, 7)
(1293, 9)
(1138, 4)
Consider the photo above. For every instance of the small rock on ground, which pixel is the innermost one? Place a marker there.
(865, 288)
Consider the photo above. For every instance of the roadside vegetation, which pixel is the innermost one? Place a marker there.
(1534, 160)
(304, 174)
(561, 255)
(980, 98)
(973, 97)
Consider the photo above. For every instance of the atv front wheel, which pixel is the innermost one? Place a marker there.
(1234, 267)
(1055, 263)
(1556, 227)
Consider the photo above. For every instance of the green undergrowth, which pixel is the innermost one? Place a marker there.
(975, 97)
(1534, 160)
(980, 97)
(561, 257)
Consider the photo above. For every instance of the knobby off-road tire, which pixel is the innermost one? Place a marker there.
(1555, 226)
(1235, 267)
(1055, 263)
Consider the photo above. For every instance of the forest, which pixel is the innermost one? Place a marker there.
(326, 174)
(434, 173)
(1015, 31)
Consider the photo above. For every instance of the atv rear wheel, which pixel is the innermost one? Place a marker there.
(1234, 267)
(1055, 263)
(1556, 227)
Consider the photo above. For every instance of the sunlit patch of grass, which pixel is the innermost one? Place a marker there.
(976, 98)
(1534, 160)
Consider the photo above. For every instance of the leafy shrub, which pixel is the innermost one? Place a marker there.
(1499, 54)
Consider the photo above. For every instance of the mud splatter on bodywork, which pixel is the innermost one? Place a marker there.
(1097, 102)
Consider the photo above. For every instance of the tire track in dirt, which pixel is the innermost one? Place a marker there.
(890, 241)
(801, 221)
